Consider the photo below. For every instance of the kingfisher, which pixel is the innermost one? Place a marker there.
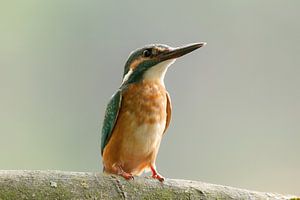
(139, 112)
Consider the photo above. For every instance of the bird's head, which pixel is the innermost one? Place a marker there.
(152, 61)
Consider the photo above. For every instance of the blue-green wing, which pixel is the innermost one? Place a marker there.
(111, 115)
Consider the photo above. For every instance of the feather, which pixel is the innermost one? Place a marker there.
(111, 115)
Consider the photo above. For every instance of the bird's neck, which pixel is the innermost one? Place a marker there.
(157, 73)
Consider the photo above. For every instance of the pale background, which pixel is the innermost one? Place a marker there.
(236, 102)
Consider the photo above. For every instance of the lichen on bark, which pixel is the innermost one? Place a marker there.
(21, 184)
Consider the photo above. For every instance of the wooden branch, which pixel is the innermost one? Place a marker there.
(80, 185)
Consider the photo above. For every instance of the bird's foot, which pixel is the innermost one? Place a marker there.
(118, 170)
(126, 175)
(156, 175)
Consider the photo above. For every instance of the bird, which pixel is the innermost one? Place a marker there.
(139, 112)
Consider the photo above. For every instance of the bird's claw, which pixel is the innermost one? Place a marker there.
(127, 176)
(158, 177)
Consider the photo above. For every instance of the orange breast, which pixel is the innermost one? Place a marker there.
(146, 101)
(137, 134)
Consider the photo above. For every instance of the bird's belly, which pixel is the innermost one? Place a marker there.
(139, 149)
(144, 139)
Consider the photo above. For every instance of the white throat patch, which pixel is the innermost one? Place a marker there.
(158, 71)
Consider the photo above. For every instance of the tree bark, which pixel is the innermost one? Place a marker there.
(21, 184)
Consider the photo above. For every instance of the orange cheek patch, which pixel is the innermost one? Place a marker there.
(136, 62)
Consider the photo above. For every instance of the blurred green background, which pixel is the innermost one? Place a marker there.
(236, 102)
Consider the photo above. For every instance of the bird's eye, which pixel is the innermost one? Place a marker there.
(147, 53)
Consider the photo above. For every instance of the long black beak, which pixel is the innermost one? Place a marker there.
(180, 51)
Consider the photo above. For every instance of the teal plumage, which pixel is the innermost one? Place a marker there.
(111, 115)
